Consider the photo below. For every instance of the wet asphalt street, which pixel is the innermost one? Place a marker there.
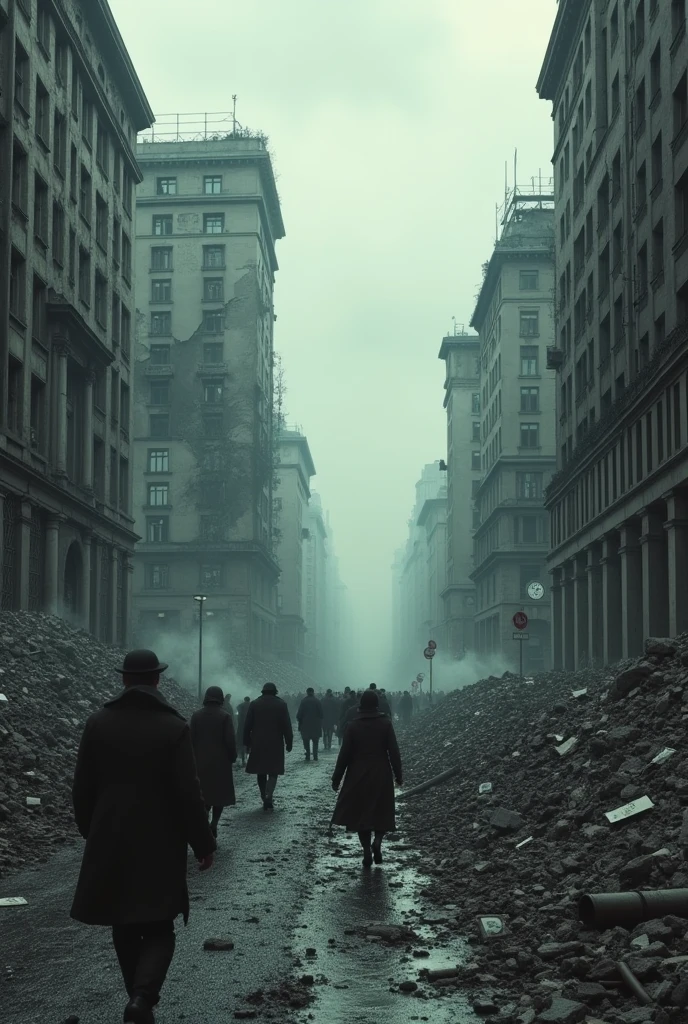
(279, 887)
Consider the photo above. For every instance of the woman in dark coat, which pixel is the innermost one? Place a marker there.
(370, 757)
(214, 743)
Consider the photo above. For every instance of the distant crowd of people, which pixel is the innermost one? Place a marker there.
(147, 785)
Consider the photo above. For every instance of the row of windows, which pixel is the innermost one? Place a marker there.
(212, 185)
(158, 576)
(213, 289)
(213, 257)
(487, 588)
(213, 392)
(213, 224)
(510, 531)
(213, 353)
(212, 322)
(211, 528)
(211, 493)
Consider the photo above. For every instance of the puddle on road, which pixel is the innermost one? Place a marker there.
(361, 971)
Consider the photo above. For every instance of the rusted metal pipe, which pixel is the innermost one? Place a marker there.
(449, 774)
(636, 988)
(608, 909)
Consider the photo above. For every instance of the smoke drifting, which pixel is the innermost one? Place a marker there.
(181, 653)
(450, 674)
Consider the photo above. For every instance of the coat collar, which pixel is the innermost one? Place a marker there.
(142, 697)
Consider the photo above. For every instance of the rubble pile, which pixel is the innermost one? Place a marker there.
(53, 677)
(522, 831)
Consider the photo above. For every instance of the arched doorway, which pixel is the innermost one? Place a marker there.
(72, 580)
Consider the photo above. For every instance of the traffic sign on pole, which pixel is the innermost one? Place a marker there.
(429, 653)
(432, 645)
(520, 620)
(420, 677)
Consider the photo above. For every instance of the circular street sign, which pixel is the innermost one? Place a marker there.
(429, 653)
(420, 677)
(520, 620)
(432, 645)
(535, 591)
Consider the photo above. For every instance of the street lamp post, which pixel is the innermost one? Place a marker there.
(201, 598)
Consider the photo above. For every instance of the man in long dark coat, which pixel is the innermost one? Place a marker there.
(138, 805)
(330, 712)
(406, 708)
(310, 717)
(267, 731)
(350, 701)
(370, 758)
(241, 715)
(214, 743)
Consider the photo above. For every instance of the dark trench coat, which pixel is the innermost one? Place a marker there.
(267, 731)
(330, 710)
(370, 757)
(310, 718)
(214, 743)
(138, 804)
(241, 721)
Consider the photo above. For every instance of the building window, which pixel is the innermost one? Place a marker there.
(529, 530)
(212, 424)
(158, 494)
(22, 83)
(42, 119)
(159, 424)
(40, 210)
(528, 280)
(102, 222)
(72, 256)
(529, 361)
(680, 104)
(18, 285)
(211, 460)
(20, 179)
(475, 436)
(213, 352)
(161, 324)
(530, 399)
(213, 223)
(126, 257)
(85, 276)
(212, 185)
(212, 392)
(128, 191)
(157, 529)
(166, 187)
(85, 195)
(475, 461)
(211, 577)
(116, 321)
(161, 291)
(681, 206)
(161, 257)
(157, 576)
(38, 311)
(103, 148)
(116, 241)
(530, 435)
(529, 485)
(160, 355)
(529, 323)
(213, 257)
(58, 233)
(159, 392)
(87, 120)
(213, 289)
(101, 300)
(38, 413)
(213, 322)
(162, 224)
(158, 460)
(125, 330)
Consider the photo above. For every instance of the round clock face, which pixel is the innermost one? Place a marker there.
(536, 591)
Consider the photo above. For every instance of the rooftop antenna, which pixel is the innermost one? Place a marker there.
(515, 170)
(234, 99)
(454, 323)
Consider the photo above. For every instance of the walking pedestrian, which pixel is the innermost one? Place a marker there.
(350, 701)
(310, 719)
(138, 804)
(369, 762)
(406, 708)
(267, 731)
(241, 715)
(214, 743)
(329, 720)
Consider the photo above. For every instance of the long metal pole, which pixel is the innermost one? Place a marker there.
(520, 655)
(431, 660)
(200, 653)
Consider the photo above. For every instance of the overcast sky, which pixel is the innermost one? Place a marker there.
(390, 123)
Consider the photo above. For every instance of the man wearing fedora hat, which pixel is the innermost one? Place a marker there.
(267, 731)
(138, 805)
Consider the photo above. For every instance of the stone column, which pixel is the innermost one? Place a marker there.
(595, 607)
(676, 528)
(567, 620)
(95, 594)
(114, 558)
(61, 426)
(86, 582)
(2, 537)
(24, 553)
(581, 644)
(52, 565)
(128, 591)
(631, 591)
(655, 588)
(89, 384)
(611, 601)
(556, 628)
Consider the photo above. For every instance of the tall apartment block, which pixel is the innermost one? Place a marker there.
(208, 218)
(514, 317)
(461, 354)
(617, 76)
(70, 107)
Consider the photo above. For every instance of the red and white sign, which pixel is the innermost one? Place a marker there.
(432, 645)
(520, 620)
(429, 653)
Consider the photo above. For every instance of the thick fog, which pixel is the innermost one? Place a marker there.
(390, 126)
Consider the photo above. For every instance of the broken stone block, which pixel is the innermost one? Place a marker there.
(484, 1005)
(408, 986)
(660, 647)
(563, 1011)
(219, 945)
(629, 679)
(505, 820)
(591, 992)
(557, 950)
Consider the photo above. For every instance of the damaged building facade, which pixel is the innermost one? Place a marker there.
(70, 107)
(208, 218)
(617, 76)
(514, 317)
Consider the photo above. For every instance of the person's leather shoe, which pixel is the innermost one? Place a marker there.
(377, 853)
(138, 1011)
(367, 858)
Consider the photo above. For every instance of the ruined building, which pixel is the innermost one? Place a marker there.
(208, 218)
(515, 319)
(461, 354)
(70, 107)
(617, 76)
